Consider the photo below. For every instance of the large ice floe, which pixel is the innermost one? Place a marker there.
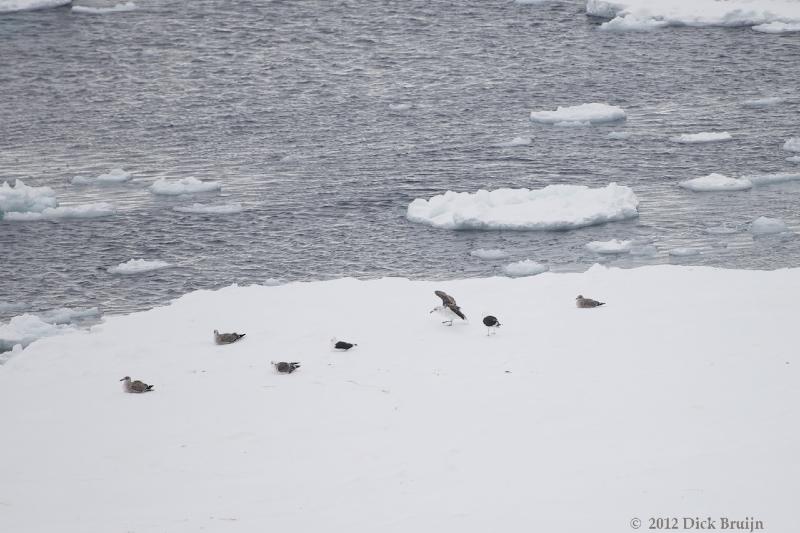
(792, 144)
(204, 209)
(188, 185)
(773, 16)
(22, 203)
(767, 225)
(702, 137)
(526, 267)
(580, 115)
(116, 175)
(30, 5)
(716, 183)
(138, 266)
(24, 329)
(449, 430)
(614, 246)
(102, 9)
(555, 207)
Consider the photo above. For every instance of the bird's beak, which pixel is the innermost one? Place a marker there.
(123, 379)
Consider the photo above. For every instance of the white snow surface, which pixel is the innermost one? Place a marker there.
(766, 225)
(30, 5)
(702, 137)
(551, 208)
(614, 246)
(792, 145)
(697, 13)
(188, 185)
(526, 267)
(768, 101)
(716, 182)
(204, 209)
(101, 10)
(449, 430)
(138, 266)
(492, 253)
(116, 175)
(778, 27)
(580, 115)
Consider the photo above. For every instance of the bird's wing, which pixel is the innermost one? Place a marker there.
(446, 298)
(457, 310)
(139, 386)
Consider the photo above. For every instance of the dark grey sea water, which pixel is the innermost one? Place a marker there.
(326, 118)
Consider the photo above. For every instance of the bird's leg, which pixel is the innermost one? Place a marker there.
(447, 322)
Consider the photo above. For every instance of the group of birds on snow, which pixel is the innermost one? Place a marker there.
(449, 309)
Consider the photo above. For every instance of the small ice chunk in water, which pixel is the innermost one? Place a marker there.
(583, 115)
(614, 246)
(492, 253)
(792, 145)
(188, 185)
(201, 209)
(632, 23)
(684, 252)
(716, 182)
(516, 141)
(766, 225)
(702, 137)
(115, 175)
(137, 266)
(619, 135)
(399, 107)
(526, 267)
(760, 103)
(777, 26)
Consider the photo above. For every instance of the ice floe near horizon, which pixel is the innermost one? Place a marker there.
(778, 27)
(188, 185)
(767, 15)
(516, 141)
(766, 226)
(555, 207)
(97, 9)
(792, 144)
(203, 209)
(138, 266)
(580, 115)
(759, 103)
(24, 203)
(492, 253)
(715, 183)
(702, 137)
(115, 175)
(7, 6)
(526, 267)
(614, 246)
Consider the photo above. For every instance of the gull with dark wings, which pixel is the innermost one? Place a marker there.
(449, 309)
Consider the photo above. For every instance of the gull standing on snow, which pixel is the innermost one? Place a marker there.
(135, 386)
(587, 303)
(342, 345)
(285, 368)
(227, 338)
(491, 323)
(448, 309)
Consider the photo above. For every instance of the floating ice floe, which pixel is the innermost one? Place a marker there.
(760, 103)
(30, 5)
(619, 135)
(399, 107)
(778, 27)
(766, 225)
(526, 267)
(555, 207)
(516, 141)
(24, 329)
(22, 203)
(716, 182)
(684, 252)
(703, 137)
(792, 144)
(138, 266)
(116, 175)
(492, 253)
(776, 177)
(580, 115)
(202, 209)
(188, 185)
(614, 246)
(103, 9)
(636, 14)
(632, 23)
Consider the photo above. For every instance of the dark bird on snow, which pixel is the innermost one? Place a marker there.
(342, 345)
(227, 338)
(285, 368)
(491, 323)
(448, 309)
(135, 386)
(586, 303)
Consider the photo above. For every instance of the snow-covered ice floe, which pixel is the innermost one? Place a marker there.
(580, 115)
(188, 185)
(203, 209)
(760, 103)
(516, 141)
(492, 253)
(98, 9)
(23, 203)
(24, 329)
(526, 267)
(702, 137)
(716, 182)
(138, 266)
(766, 225)
(7, 6)
(116, 175)
(614, 246)
(446, 422)
(778, 27)
(555, 207)
(792, 144)
(764, 15)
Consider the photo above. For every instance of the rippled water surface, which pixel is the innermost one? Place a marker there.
(325, 119)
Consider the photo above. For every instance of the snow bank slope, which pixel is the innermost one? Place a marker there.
(617, 411)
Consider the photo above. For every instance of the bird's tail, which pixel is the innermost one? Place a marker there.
(149, 387)
(601, 303)
(242, 335)
(295, 364)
